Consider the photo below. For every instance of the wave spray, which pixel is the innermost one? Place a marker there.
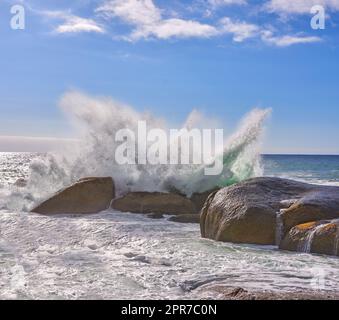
(93, 154)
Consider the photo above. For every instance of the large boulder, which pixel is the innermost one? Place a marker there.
(263, 210)
(89, 195)
(155, 202)
(246, 212)
(313, 237)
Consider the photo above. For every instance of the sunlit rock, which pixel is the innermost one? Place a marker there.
(89, 195)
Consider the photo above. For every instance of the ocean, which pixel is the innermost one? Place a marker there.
(115, 255)
(318, 169)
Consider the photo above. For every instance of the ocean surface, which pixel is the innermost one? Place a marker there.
(318, 169)
(115, 255)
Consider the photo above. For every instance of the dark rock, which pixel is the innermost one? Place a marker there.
(21, 183)
(186, 218)
(155, 216)
(156, 202)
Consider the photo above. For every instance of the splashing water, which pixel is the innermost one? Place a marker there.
(279, 227)
(93, 154)
(306, 244)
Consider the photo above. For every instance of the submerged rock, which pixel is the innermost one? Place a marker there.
(248, 212)
(20, 183)
(186, 218)
(155, 216)
(89, 195)
(156, 202)
(313, 237)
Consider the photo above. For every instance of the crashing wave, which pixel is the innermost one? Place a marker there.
(93, 153)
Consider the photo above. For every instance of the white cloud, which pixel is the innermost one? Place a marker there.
(72, 23)
(76, 24)
(136, 12)
(179, 28)
(240, 30)
(299, 6)
(148, 21)
(287, 40)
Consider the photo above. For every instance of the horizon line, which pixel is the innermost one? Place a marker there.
(262, 154)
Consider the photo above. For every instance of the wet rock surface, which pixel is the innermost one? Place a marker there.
(314, 237)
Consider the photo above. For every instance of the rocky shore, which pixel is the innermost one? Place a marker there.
(229, 293)
(265, 211)
(92, 195)
(271, 211)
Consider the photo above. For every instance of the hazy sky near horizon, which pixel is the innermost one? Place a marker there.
(222, 57)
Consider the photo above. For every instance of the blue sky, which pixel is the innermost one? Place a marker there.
(222, 57)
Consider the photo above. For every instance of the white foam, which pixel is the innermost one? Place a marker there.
(123, 256)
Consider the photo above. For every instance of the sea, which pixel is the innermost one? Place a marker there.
(114, 255)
